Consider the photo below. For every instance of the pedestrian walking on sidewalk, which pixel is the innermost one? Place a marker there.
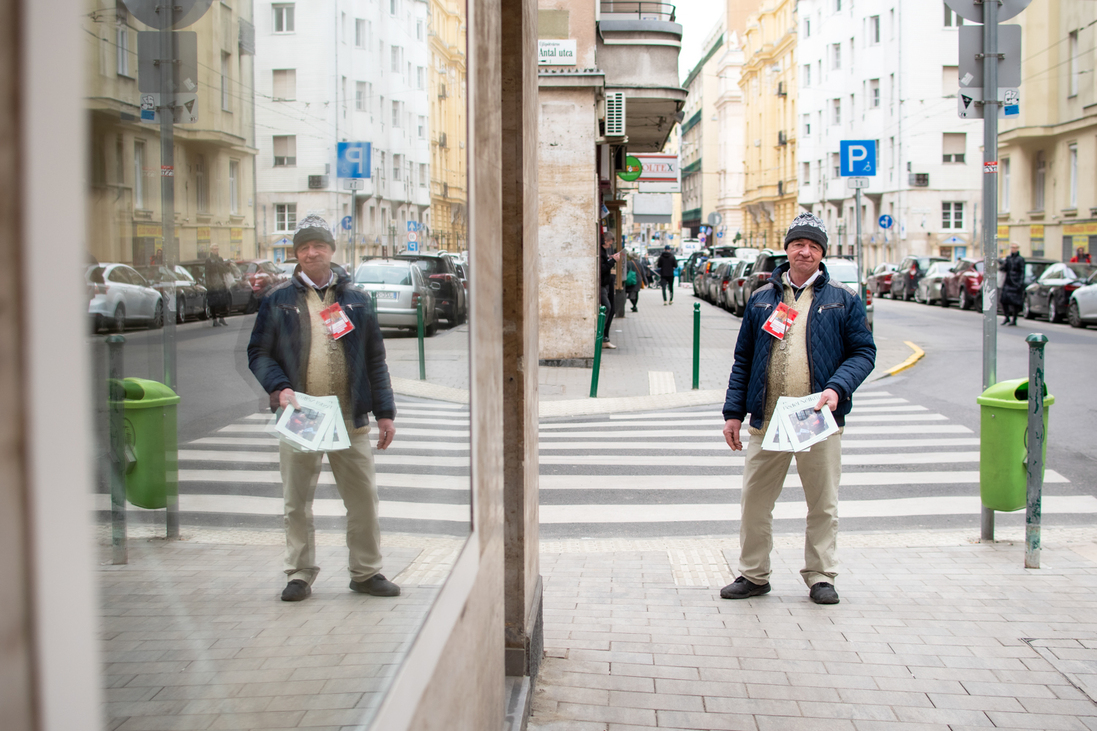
(300, 345)
(826, 349)
(666, 265)
(1013, 284)
(217, 289)
(608, 284)
(635, 280)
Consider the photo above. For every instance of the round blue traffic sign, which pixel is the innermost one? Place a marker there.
(346, 223)
(886, 221)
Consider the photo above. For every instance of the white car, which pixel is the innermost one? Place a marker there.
(397, 286)
(845, 271)
(1082, 310)
(119, 296)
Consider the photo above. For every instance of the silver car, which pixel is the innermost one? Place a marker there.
(119, 296)
(929, 286)
(398, 286)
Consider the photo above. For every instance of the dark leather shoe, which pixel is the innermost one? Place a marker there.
(823, 593)
(742, 588)
(296, 591)
(376, 585)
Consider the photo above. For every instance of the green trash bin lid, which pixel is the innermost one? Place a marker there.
(1011, 394)
(142, 393)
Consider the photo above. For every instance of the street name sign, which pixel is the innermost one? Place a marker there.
(556, 52)
(353, 160)
(858, 158)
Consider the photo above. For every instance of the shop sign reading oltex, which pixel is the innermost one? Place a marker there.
(556, 52)
(655, 173)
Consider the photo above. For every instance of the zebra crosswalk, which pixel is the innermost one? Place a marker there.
(636, 474)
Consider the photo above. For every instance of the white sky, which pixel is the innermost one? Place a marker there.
(698, 17)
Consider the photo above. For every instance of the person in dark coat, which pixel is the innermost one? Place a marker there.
(665, 265)
(1013, 284)
(607, 282)
(217, 290)
(638, 278)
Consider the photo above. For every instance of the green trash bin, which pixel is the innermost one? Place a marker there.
(1003, 444)
(152, 445)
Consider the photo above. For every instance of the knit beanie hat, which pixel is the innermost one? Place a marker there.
(807, 226)
(312, 228)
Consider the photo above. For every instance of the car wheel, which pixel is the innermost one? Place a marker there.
(944, 298)
(431, 329)
(1053, 313)
(205, 314)
(157, 321)
(965, 300)
(252, 306)
(1026, 310)
(1073, 316)
(180, 310)
(977, 302)
(119, 323)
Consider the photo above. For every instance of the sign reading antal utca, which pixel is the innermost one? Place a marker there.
(556, 52)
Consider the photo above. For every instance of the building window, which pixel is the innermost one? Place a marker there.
(807, 27)
(360, 32)
(139, 175)
(226, 104)
(421, 77)
(952, 216)
(285, 151)
(874, 30)
(1075, 71)
(1005, 185)
(397, 161)
(283, 18)
(836, 55)
(343, 27)
(422, 127)
(805, 174)
(285, 216)
(836, 164)
(397, 53)
(394, 6)
(953, 147)
(1072, 162)
(836, 111)
(285, 85)
(396, 114)
(423, 175)
(952, 20)
(806, 75)
(201, 183)
(234, 187)
(807, 125)
(1039, 175)
(360, 96)
(419, 30)
(874, 93)
(122, 44)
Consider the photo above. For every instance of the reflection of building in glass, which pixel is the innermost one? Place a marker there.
(448, 129)
(214, 186)
(361, 78)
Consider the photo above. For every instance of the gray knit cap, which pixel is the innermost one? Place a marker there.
(807, 226)
(312, 228)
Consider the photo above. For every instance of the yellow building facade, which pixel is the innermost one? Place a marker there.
(214, 156)
(768, 82)
(448, 127)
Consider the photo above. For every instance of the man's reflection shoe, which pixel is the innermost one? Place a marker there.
(376, 585)
(742, 588)
(823, 593)
(296, 591)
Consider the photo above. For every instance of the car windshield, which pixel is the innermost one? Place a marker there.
(382, 274)
(1078, 271)
(429, 266)
(156, 274)
(842, 270)
(183, 274)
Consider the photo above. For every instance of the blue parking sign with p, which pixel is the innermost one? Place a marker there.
(858, 158)
(353, 160)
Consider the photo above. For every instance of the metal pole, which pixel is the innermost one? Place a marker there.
(1035, 461)
(860, 251)
(116, 403)
(990, 213)
(696, 345)
(597, 351)
(167, 205)
(353, 231)
(419, 329)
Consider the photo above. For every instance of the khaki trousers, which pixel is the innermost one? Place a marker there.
(357, 483)
(820, 470)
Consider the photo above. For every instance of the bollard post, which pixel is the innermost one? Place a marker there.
(597, 351)
(696, 345)
(1035, 461)
(419, 328)
(116, 403)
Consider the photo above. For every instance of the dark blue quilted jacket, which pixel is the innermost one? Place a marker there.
(841, 352)
(280, 340)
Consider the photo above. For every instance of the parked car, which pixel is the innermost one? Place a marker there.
(287, 267)
(463, 273)
(710, 286)
(734, 298)
(242, 297)
(699, 274)
(397, 286)
(1082, 309)
(845, 271)
(928, 289)
(190, 296)
(964, 284)
(261, 274)
(720, 281)
(767, 261)
(450, 297)
(118, 296)
(1050, 294)
(690, 266)
(904, 282)
(879, 281)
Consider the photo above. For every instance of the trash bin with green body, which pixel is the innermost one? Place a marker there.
(1003, 444)
(152, 445)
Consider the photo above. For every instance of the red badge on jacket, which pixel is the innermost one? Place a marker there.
(336, 321)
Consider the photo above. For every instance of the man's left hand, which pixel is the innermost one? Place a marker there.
(830, 398)
(385, 432)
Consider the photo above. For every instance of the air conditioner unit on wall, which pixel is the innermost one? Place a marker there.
(318, 181)
(615, 114)
(919, 180)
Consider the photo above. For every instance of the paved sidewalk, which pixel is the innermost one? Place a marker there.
(934, 632)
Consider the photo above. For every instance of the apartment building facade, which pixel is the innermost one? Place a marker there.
(700, 150)
(448, 32)
(361, 78)
(887, 71)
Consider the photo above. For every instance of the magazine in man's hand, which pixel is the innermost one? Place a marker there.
(337, 437)
(802, 424)
(775, 439)
(307, 426)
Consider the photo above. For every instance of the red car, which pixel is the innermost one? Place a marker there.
(964, 284)
(261, 274)
(879, 281)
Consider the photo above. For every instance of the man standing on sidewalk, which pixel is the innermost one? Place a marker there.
(607, 283)
(666, 264)
(299, 344)
(828, 349)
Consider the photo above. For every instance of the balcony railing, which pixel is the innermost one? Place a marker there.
(634, 10)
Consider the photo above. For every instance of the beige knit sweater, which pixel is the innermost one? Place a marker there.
(788, 359)
(327, 365)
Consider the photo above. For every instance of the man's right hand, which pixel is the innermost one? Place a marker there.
(731, 434)
(287, 397)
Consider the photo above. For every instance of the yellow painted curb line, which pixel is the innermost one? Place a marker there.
(917, 356)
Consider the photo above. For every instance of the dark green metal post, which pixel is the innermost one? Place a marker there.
(116, 398)
(696, 346)
(597, 352)
(422, 354)
(1035, 461)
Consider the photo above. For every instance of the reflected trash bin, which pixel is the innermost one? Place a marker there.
(152, 445)
(1003, 444)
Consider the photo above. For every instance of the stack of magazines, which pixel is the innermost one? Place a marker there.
(796, 425)
(315, 425)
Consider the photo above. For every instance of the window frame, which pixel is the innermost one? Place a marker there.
(288, 12)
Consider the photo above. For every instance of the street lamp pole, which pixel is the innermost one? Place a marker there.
(990, 215)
